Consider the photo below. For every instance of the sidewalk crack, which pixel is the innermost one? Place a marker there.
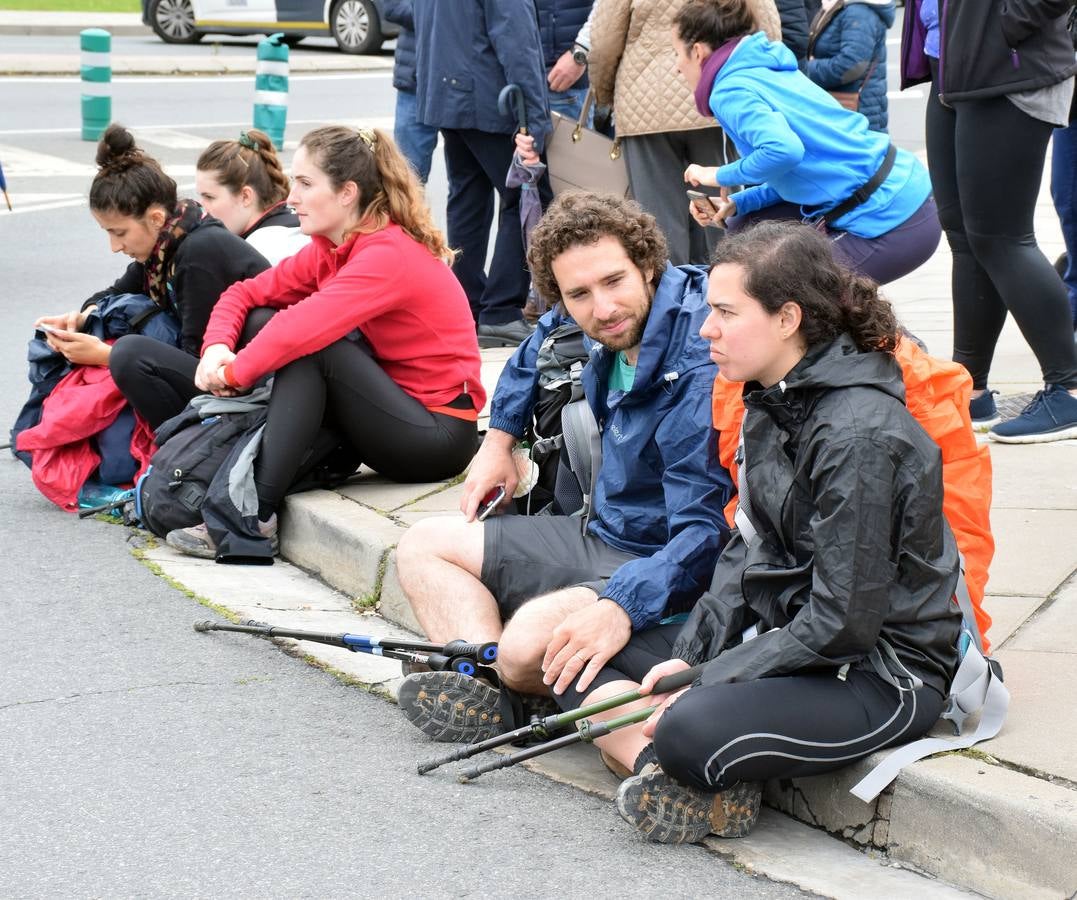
(127, 690)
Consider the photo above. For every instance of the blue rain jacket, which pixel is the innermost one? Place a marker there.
(660, 491)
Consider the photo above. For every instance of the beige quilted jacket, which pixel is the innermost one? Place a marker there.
(632, 65)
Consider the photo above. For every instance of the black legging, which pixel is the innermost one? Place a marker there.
(986, 162)
(344, 387)
(157, 379)
(789, 726)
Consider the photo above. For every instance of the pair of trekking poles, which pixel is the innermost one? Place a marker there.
(476, 659)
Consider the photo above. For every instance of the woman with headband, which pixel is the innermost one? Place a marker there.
(371, 333)
(241, 182)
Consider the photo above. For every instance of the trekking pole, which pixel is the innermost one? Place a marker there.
(552, 724)
(118, 503)
(588, 733)
(456, 656)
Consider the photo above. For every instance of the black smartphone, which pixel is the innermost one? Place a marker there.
(491, 501)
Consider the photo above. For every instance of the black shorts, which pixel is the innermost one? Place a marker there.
(526, 556)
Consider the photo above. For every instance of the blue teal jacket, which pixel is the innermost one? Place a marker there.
(660, 491)
(798, 145)
(843, 53)
(470, 49)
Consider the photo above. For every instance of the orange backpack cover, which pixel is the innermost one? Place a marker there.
(937, 394)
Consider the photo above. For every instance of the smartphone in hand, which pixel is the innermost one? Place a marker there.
(52, 329)
(490, 502)
(704, 203)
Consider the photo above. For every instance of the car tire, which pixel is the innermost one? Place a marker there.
(355, 26)
(173, 21)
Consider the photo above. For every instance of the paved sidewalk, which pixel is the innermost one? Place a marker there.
(1000, 820)
(205, 58)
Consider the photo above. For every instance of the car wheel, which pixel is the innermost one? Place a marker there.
(356, 26)
(173, 21)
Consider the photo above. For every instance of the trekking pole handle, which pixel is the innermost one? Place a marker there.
(676, 681)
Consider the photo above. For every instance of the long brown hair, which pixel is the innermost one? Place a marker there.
(250, 162)
(128, 181)
(389, 190)
(789, 261)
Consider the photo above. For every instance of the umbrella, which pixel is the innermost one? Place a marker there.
(523, 176)
(3, 187)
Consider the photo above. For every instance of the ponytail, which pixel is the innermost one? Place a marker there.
(389, 190)
(789, 261)
(250, 162)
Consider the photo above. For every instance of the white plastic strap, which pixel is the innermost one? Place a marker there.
(740, 518)
(975, 687)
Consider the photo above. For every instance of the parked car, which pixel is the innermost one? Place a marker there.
(358, 26)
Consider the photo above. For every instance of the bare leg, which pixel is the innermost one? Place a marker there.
(528, 632)
(624, 744)
(438, 562)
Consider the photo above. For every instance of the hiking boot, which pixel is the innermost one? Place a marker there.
(983, 412)
(507, 334)
(451, 707)
(670, 813)
(1051, 416)
(195, 541)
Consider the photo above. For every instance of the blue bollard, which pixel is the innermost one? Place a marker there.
(96, 46)
(271, 88)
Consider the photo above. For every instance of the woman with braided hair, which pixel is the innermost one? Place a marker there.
(241, 182)
(371, 335)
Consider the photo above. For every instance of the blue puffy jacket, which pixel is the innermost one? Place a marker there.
(845, 41)
(559, 22)
(470, 50)
(660, 490)
(798, 145)
(401, 12)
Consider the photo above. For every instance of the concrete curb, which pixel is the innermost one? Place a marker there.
(43, 29)
(965, 819)
(68, 65)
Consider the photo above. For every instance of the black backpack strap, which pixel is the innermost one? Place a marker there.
(861, 194)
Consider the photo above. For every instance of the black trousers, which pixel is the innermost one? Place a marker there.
(477, 163)
(986, 162)
(343, 388)
(714, 736)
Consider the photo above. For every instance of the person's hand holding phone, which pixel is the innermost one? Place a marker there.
(493, 467)
(707, 210)
(491, 502)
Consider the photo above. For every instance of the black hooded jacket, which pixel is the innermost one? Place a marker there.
(845, 493)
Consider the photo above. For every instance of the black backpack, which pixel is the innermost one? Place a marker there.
(190, 452)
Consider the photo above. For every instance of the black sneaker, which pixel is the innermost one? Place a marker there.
(507, 334)
(451, 707)
(670, 813)
(983, 411)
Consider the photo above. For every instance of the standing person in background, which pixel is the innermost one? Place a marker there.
(469, 51)
(1001, 80)
(415, 140)
(632, 68)
(847, 52)
(561, 23)
(241, 182)
(794, 21)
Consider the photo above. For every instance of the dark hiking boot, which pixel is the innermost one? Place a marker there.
(507, 334)
(670, 813)
(450, 707)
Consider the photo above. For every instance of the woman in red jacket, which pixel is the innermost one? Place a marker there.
(372, 334)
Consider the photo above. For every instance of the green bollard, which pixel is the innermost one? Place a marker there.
(96, 46)
(271, 88)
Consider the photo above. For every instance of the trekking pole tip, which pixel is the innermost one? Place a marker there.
(205, 625)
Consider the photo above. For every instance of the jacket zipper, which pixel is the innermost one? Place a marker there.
(942, 44)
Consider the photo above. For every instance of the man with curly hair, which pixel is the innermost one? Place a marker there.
(570, 597)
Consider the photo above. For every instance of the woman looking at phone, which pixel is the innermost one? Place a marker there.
(372, 334)
(806, 157)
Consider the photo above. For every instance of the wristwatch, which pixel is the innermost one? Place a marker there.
(579, 55)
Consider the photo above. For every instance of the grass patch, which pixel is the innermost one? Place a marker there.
(92, 6)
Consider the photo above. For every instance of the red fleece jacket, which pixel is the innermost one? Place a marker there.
(407, 303)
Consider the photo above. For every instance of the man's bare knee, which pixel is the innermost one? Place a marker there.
(525, 638)
(442, 538)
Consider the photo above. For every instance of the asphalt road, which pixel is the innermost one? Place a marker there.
(140, 759)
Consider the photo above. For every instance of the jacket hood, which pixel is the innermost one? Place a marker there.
(279, 214)
(884, 9)
(671, 344)
(837, 364)
(757, 51)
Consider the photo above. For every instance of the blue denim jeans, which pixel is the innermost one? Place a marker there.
(1064, 194)
(415, 140)
(569, 103)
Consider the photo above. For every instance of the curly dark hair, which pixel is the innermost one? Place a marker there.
(578, 218)
(790, 261)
